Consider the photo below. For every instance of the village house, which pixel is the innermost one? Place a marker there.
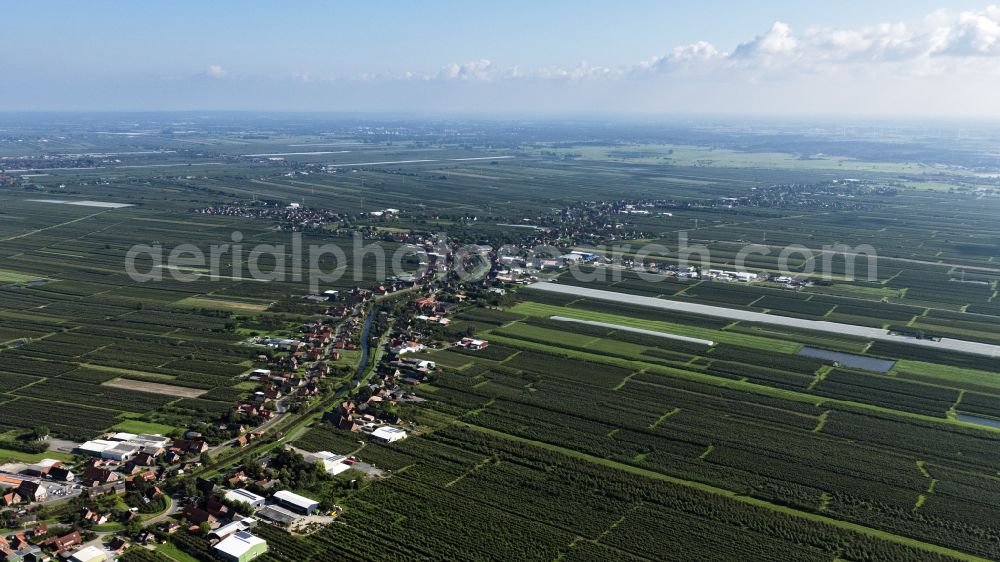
(189, 446)
(32, 491)
(94, 476)
(473, 344)
(19, 541)
(29, 553)
(89, 515)
(236, 478)
(11, 498)
(61, 474)
(39, 531)
(197, 516)
(66, 541)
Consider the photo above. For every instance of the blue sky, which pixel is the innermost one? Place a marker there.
(915, 57)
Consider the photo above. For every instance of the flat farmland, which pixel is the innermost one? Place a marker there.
(618, 425)
(885, 451)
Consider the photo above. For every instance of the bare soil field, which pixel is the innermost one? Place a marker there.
(156, 388)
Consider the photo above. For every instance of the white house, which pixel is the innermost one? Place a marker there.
(389, 434)
(245, 496)
(241, 547)
(333, 463)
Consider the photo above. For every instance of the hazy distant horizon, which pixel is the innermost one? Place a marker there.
(846, 122)
(892, 59)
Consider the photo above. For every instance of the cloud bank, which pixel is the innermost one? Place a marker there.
(941, 44)
(944, 64)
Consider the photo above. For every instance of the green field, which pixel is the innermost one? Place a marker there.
(18, 456)
(535, 309)
(139, 426)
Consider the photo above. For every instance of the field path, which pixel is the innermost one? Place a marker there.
(30, 233)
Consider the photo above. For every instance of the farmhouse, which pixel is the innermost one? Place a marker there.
(389, 434)
(245, 496)
(61, 474)
(194, 446)
(333, 464)
(295, 502)
(196, 515)
(473, 344)
(94, 476)
(32, 491)
(65, 541)
(407, 347)
(241, 547)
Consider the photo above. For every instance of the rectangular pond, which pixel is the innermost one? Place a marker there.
(849, 360)
(978, 420)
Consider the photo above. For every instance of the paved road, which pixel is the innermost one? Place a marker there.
(175, 506)
(944, 344)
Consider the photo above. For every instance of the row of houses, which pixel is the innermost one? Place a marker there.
(37, 545)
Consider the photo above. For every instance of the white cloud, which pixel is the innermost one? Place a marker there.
(682, 57)
(472, 70)
(884, 42)
(215, 71)
(581, 71)
(944, 43)
(972, 34)
(778, 41)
